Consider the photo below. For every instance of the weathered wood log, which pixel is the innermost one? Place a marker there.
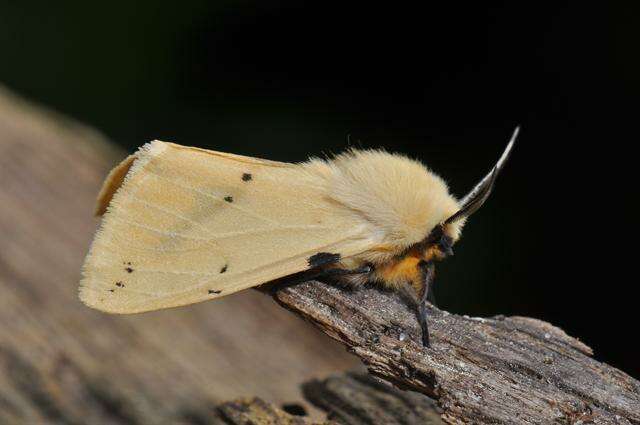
(358, 398)
(479, 370)
(255, 411)
(351, 398)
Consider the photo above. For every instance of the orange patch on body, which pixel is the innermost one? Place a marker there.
(401, 271)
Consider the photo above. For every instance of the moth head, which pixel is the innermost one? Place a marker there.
(441, 239)
(439, 243)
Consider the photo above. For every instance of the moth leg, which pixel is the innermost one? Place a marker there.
(366, 269)
(321, 273)
(427, 270)
(431, 295)
(343, 276)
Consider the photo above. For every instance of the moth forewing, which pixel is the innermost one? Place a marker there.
(186, 225)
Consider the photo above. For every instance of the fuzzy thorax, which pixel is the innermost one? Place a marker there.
(399, 199)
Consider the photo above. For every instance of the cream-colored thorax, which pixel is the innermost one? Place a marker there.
(397, 198)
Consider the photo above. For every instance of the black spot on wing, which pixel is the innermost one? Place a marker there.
(120, 284)
(214, 291)
(223, 269)
(322, 258)
(129, 269)
(228, 199)
(246, 177)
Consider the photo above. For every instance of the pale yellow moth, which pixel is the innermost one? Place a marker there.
(182, 225)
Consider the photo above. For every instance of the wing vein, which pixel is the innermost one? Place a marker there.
(162, 232)
(172, 213)
(214, 237)
(217, 198)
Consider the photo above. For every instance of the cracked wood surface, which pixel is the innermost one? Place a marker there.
(352, 398)
(359, 398)
(480, 370)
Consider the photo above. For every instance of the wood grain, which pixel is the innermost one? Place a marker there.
(479, 370)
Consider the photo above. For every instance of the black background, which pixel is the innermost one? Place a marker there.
(445, 82)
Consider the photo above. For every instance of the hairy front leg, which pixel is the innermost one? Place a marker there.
(323, 272)
(427, 273)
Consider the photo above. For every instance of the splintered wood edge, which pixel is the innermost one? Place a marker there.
(479, 370)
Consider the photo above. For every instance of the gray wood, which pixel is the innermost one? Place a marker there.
(479, 370)
(359, 399)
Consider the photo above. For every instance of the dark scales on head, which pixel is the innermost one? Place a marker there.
(438, 238)
(322, 258)
(228, 199)
(246, 177)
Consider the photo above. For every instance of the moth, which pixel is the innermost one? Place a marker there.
(182, 225)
